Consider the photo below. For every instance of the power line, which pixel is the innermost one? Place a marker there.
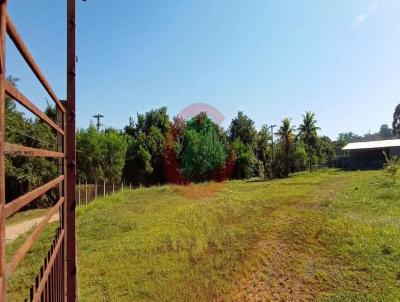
(26, 134)
(30, 136)
(47, 143)
(37, 139)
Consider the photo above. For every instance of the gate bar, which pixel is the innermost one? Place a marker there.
(49, 266)
(23, 200)
(25, 247)
(14, 93)
(19, 150)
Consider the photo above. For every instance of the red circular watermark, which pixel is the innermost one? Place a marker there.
(171, 167)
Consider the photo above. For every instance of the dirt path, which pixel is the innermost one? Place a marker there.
(16, 230)
(291, 263)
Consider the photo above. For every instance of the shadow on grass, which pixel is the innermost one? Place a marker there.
(255, 180)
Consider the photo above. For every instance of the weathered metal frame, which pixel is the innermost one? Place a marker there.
(57, 279)
(70, 144)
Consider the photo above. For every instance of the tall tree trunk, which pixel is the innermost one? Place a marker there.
(287, 161)
(265, 166)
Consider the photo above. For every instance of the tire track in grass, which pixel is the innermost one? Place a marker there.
(292, 265)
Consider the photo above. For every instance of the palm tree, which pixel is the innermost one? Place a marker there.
(308, 132)
(286, 135)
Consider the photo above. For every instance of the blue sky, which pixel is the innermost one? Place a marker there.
(270, 59)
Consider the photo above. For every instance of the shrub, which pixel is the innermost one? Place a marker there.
(392, 166)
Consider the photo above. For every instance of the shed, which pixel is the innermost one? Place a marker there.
(369, 155)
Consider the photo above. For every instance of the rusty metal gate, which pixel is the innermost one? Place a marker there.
(56, 279)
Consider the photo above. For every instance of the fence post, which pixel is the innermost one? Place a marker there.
(104, 188)
(130, 186)
(79, 192)
(113, 188)
(95, 189)
(122, 186)
(71, 270)
(86, 197)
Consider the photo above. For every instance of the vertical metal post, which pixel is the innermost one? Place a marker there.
(104, 188)
(71, 269)
(63, 209)
(3, 14)
(86, 190)
(122, 186)
(130, 186)
(113, 188)
(61, 162)
(95, 189)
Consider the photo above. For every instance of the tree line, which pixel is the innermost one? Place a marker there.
(161, 150)
(154, 148)
(24, 174)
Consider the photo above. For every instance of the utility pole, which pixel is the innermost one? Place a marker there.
(98, 124)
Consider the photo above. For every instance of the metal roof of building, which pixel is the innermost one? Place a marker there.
(373, 145)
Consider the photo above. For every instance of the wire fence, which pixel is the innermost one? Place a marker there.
(86, 193)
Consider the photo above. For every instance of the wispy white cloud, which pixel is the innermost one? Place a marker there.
(362, 17)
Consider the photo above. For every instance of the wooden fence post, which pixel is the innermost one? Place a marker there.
(79, 192)
(86, 196)
(122, 186)
(130, 186)
(95, 189)
(113, 188)
(104, 188)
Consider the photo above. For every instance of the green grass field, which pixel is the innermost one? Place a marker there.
(324, 236)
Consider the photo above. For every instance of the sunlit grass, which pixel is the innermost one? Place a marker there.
(193, 243)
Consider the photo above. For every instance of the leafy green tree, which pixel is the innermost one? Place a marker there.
(298, 157)
(308, 131)
(343, 139)
(286, 135)
(242, 128)
(24, 174)
(244, 160)
(385, 132)
(396, 121)
(90, 154)
(325, 151)
(203, 153)
(243, 139)
(114, 148)
(146, 147)
(138, 159)
(279, 165)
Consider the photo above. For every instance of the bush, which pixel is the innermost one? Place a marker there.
(245, 161)
(203, 153)
(392, 166)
